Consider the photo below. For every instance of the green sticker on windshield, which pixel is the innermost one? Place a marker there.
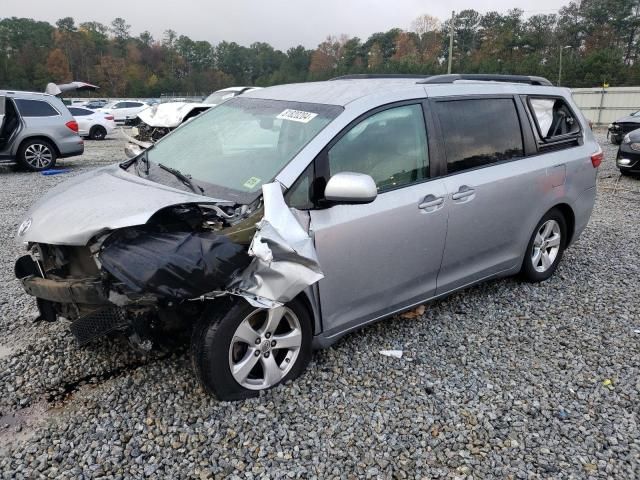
(251, 183)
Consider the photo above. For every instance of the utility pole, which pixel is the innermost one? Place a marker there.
(562, 49)
(453, 19)
(560, 68)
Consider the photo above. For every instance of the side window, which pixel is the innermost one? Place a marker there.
(479, 132)
(120, 105)
(133, 104)
(391, 146)
(35, 108)
(79, 112)
(300, 195)
(553, 118)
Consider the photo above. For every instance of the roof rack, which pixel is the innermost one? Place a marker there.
(482, 77)
(365, 76)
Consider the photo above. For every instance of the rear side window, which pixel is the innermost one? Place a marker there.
(554, 119)
(35, 108)
(479, 132)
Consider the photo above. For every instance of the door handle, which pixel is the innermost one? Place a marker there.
(430, 201)
(463, 192)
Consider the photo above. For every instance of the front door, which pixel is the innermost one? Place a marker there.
(382, 256)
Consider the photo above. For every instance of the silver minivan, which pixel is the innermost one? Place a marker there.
(280, 220)
(35, 130)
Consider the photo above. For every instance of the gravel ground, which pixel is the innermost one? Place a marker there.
(503, 380)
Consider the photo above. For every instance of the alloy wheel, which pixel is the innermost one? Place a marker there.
(38, 155)
(546, 246)
(265, 347)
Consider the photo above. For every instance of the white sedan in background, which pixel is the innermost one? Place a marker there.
(93, 124)
(124, 109)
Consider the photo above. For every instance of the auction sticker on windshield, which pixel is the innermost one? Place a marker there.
(297, 116)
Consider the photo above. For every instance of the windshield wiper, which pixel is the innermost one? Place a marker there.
(186, 179)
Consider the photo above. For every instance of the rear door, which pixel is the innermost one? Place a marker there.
(385, 255)
(493, 189)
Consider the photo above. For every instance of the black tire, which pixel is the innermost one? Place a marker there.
(97, 133)
(212, 339)
(616, 140)
(27, 155)
(625, 173)
(529, 271)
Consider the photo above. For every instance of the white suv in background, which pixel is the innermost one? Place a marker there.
(123, 109)
(92, 124)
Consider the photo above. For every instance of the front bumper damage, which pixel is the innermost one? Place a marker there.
(138, 278)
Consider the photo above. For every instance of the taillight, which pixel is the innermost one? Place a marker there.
(596, 158)
(72, 125)
(108, 117)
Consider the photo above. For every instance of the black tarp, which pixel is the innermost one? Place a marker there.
(176, 265)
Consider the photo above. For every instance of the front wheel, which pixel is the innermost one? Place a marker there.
(545, 247)
(238, 350)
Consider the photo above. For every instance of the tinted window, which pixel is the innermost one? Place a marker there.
(391, 146)
(553, 116)
(35, 108)
(79, 112)
(120, 105)
(133, 105)
(479, 132)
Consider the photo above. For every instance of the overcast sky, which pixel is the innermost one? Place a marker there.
(282, 23)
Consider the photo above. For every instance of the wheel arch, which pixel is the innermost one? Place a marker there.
(38, 137)
(570, 218)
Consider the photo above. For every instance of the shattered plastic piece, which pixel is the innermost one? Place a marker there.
(179, 265)
(607, 382)
(391, 353)
(284, 258)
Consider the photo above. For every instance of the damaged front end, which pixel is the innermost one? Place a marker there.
(148, 279)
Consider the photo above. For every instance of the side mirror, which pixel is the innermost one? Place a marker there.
(351, 187)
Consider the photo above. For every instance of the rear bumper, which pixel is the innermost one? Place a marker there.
(71, 147)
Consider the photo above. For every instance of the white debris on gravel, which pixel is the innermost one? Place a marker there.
(508, 380)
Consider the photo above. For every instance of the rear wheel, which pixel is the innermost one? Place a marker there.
(37, 155)
(545, 247)
(238, 350)
(97, 133)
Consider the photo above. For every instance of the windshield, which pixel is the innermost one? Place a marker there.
(220, 97)
(242, 144)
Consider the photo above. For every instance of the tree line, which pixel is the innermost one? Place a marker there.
(599, 41)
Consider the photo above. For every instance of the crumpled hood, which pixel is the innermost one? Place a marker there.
(628, 119)
(104, 199)
(170, 114)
